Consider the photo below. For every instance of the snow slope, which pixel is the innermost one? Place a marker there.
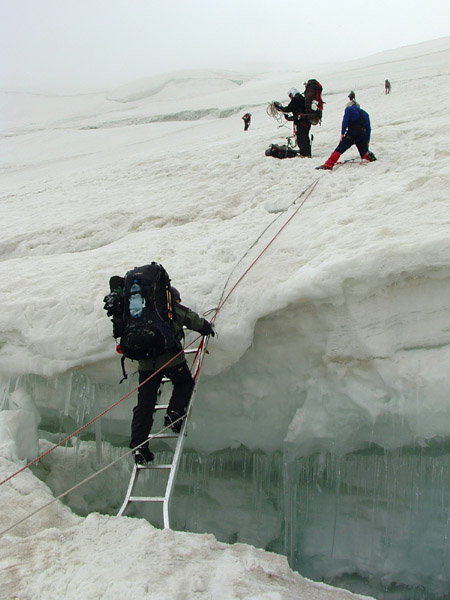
(344, 319)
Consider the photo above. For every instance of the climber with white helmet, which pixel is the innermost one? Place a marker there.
(302, 124)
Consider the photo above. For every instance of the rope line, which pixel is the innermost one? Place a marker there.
(121, 457)
(351, 161)
(80, 429)
(308, 191)
(80, 483)
(222, 301)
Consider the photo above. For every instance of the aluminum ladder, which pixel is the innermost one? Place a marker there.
(171, 468)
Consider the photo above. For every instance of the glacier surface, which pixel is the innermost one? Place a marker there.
(321, 425)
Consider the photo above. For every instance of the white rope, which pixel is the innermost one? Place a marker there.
(151, 436)
(80, 483)
(275, 113)
(305, 191)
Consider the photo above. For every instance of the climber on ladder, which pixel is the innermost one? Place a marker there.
(128, 303)
(148, 318)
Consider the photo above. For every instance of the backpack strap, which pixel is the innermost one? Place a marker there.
(125, 374)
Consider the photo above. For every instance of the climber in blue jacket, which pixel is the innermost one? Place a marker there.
(355, 129)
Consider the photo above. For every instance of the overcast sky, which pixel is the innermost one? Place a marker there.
(80, 45)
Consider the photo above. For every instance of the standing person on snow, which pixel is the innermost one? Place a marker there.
(356, 130)
(247, 119)
(387, 86)
(179, 374)
(302, 124)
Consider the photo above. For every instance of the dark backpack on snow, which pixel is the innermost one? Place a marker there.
(140, 305)
(283, 151)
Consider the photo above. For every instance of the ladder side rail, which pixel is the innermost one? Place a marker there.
(133, 479)
(175, 464)
(172, 476)
(198, 358)
(173, 467)
(181, 439)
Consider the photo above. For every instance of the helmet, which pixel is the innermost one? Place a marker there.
(175, 294)
(292, 92)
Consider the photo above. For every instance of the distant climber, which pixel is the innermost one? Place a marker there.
(247, 120)
(148, 318)
(387, 86)
(356, 130)
(304, 110)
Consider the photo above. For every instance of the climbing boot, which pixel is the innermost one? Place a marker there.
(142, 456)
(370, 156)
(173, 420)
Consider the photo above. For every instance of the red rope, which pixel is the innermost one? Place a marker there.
(264, 249)
(173, 358)
(97, 417)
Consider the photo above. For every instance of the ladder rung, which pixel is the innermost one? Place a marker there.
(160, 436)
(154, 466)
(146, 499)
(161, 407)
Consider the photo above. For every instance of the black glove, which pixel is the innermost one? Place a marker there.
(207, 328)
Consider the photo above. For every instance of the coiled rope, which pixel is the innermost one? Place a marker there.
(275, 113)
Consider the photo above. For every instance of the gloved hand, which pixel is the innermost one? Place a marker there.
(277, 104)
(207, 328)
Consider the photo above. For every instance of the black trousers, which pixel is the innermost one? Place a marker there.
(359, 138)
(304, 143)
(183, 385)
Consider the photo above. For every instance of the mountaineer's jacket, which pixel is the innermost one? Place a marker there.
(296, 106)
(355, 121)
